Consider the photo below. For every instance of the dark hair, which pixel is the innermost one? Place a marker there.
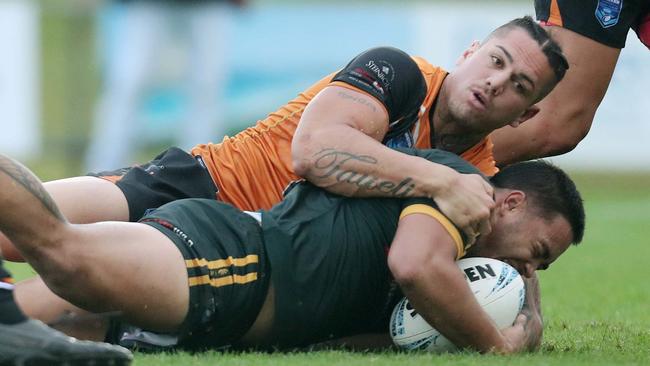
(549, 46)
(551, 190)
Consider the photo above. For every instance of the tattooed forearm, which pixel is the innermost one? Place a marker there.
(331, 163)
(357, 99)
(25, 178)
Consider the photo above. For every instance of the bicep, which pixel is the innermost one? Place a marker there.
(337, 106)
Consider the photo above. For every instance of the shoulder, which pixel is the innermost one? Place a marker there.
(390, 75)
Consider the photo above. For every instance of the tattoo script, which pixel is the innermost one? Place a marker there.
(25, 178)
(332, 163)
(357, 99)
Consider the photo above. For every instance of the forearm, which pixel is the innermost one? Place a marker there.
(345, 161)
(533, 140)
(445, 301)
(532, 308)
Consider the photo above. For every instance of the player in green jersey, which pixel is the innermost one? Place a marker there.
(314, 267)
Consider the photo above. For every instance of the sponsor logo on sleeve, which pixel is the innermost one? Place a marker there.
(608, 12)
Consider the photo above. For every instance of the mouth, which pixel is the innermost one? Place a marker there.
(479, 99)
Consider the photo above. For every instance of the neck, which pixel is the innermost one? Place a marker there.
(451, 134)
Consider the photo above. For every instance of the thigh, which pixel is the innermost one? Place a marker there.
(128, 268)
(81, 200)
(88, 199)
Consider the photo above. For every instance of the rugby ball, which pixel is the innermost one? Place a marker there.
(498, 287)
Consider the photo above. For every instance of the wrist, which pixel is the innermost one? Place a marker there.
(440, 179)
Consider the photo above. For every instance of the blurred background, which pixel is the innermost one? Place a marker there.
(89, 85)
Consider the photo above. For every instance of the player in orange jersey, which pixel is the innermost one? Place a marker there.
(338, 134)
(592, 34)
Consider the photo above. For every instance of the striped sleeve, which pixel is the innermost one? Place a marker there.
(442, 219)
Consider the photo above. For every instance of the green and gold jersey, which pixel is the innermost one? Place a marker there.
(328, 258)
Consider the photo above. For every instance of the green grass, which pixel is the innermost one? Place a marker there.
(595, 298)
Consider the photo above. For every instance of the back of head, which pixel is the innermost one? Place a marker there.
(549, 47)
(549, 190)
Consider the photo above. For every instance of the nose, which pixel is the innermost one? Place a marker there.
(495, 83)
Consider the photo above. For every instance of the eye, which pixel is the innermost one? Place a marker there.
(519, 87)
(496, 61)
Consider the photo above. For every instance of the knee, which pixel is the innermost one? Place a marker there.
(56, 262)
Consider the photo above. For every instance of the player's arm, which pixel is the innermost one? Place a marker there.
(422, 260)
(337, 146)
(532, 309)
(568, 111)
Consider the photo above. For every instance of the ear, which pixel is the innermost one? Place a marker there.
(514, 200)
(469, 51)
(529, 113)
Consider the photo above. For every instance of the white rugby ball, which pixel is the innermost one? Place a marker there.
(498, 287)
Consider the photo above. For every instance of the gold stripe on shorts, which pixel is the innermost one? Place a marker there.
(223, 281)
(220, 265)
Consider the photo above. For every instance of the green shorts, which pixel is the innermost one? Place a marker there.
(226, 265)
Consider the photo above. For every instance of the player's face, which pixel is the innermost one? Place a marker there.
(524, 239)
(497, 83)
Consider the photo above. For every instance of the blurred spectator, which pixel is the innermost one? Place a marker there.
(135, 56)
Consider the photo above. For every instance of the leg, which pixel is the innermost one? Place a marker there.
(30, 342)
(111, 270)
(173, 174)
(81, 200)
(39, 302)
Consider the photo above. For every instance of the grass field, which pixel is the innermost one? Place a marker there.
(595, 298)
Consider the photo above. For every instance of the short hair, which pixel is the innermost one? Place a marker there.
(548, 45)
(551, 190)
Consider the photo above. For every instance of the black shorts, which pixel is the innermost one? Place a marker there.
(226, 264)
(4, 275)
(604, 21)
(170, 176)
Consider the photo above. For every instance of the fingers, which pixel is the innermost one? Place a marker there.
(481, 222)
(468, 202)
(521, 320)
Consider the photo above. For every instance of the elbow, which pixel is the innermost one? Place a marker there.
(562, 143)
(570, 127)
(408, 271)
(404, 275)
(301, 154)
(300, 165)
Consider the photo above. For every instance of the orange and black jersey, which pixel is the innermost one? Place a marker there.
(605, 21)
(252, 168)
